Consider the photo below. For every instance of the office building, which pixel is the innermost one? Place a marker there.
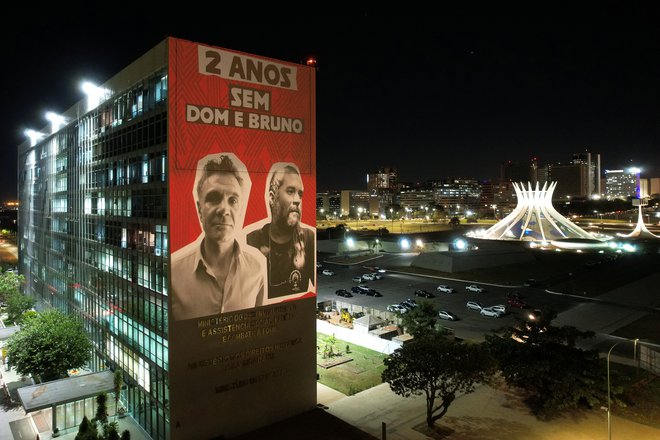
(512, 171)
(572, 180)
(382, 186)
(621, 184)
(96, 236)
(592, 161)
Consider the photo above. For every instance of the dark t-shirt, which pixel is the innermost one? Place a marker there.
(283, 277)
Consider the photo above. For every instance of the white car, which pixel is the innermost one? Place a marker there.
(487, 311)
(368, 276)
(357, 279)
(474, 288)
(501, 308)
(396, 308)
(474, 305)
(327, 272)
(445, 289)
(444, 314)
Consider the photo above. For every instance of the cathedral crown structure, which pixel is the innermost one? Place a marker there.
(535, 219)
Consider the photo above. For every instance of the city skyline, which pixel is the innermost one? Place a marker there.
(436, 97)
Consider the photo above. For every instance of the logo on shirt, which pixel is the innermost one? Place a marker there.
(294, 279)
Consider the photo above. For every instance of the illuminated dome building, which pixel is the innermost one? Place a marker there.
(535, 219)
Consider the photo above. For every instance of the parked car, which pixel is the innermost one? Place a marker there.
(474, 305)
(499, 308)
(374, 292)
(444, 314)
(411, 302)
(424, 294)
(487, 311)
(516, 302)
(445, 289)
(378, 276)
(327, 272)
(363, 289)
(531, 282)
(396, 308)
(357, 279)
(343, 292)
(474, 288)
(368, 277)
(378, 269)
(356, 289)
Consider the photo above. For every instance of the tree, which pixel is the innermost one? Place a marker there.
(118, 381)
(454, 221)
(10, 283)
(99, 428)
(545, 361)
(48, 345)
(421, 319)
(17, 305)
(86, 430)
(439, 369)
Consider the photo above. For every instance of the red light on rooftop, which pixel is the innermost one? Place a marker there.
(311, 62)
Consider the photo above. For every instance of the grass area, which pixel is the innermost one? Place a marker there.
(641, 395)
(400, 227)
(359, 374)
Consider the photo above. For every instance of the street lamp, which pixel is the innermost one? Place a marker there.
(609, 399)
(359, 210)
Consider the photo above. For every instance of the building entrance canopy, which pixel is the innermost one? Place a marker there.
(71, 389)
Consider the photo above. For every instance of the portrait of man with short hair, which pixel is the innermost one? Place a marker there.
(288, 245)
(218, 272)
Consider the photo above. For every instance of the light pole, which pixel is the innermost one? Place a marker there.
(359, 210)
(609, 399)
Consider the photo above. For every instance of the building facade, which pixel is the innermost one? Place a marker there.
(96, 236)
(592, 161)
(382, 186)
(621, 184)
(93, 230)
(354, 202)
(572, 180)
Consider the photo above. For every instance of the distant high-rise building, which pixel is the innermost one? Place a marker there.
(519, 172)
(572, 180)
(451, 192)
(382, 186)
(654, 186)
(592, 160)
(621, 184)
(354, 201)
(328, 203)
(416, 198)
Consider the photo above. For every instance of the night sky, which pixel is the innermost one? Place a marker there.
(453, 95)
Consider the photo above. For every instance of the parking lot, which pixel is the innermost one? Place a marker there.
(396, 287)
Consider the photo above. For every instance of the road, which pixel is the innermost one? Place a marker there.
(8, 253)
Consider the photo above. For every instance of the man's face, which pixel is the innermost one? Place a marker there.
(286, 208)
(219, 207)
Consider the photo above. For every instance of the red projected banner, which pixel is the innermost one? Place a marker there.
(260, 113)
(242, 194)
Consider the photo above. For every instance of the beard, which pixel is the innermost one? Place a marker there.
(286, 217)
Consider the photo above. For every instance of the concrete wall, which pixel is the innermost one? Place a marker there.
(468, 260)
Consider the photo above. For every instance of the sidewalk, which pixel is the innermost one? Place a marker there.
(488, 413)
